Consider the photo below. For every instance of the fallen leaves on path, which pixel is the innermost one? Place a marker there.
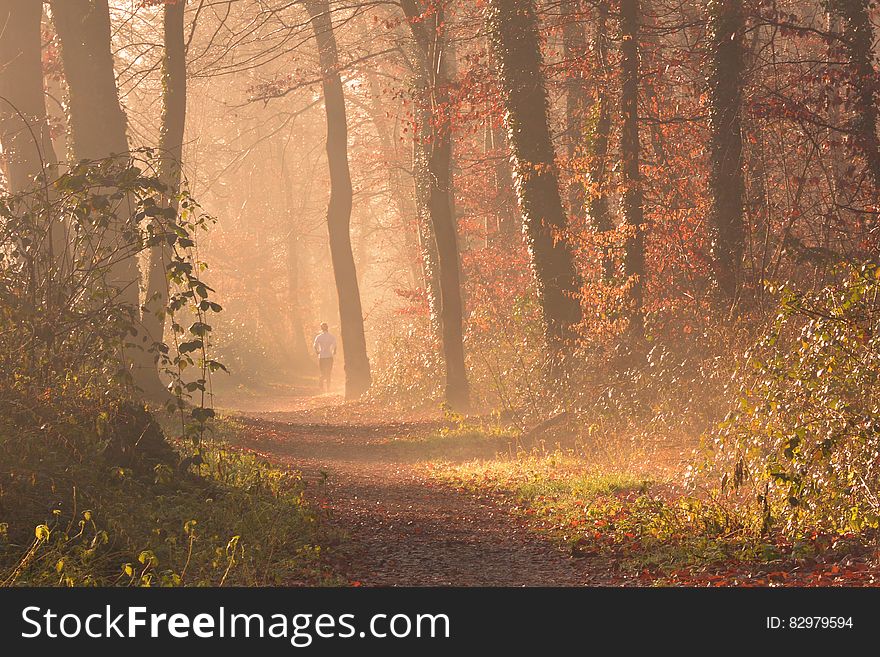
(401, 527)
(405, 525)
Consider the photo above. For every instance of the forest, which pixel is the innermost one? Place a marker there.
(439, 292)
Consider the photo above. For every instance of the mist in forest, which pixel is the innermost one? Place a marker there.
(411, 175)
(615, 243)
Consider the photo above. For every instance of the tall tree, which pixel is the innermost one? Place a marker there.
(597, 174)
(506, 214)
(513, 29)
(97, 131)
(505, 200)
(357, 365)
(24, 129)
(97, 122)
(421, 159)
(577, 99)
(434, 173)
(630, 145)
(857, 40)
(170, 161)
(726, 186)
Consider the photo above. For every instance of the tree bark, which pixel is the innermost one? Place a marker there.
(96, 122)
(513, 28)
(857, 40)
(24, 130)
(597, 174)
(30, 159)
(505, 199)
(632, 201)
(506, 211)
(170, 163)
(577, 101)
(434, 170)
(357, 365)
(97, 129)
(427, 242)
(726, 186)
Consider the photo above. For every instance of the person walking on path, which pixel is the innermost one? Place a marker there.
(325, 347)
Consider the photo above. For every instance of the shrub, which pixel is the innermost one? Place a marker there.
(74, 511)
(91, 492)
(804, 437)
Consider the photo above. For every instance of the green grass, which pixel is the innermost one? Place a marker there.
(70, 517)
(635, 523)
(462, 430)
(458, 441)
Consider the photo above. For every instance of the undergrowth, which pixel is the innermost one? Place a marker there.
(72, 515)
(641, 528)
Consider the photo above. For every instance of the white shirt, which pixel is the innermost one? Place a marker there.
(325, 345)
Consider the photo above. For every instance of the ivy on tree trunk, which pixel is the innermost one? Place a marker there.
(170, 161)
(513, 30)
(726, 186)
(433, 169)
(630, 147)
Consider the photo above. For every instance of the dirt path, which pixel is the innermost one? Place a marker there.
(403, 529)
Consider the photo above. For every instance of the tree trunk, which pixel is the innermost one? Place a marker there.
(96, 122)
(97, 129)
(726, 186)
(857, 40)
(506, 211)
(30, 159)
(170, 162)
(427, 243)
(449, 267)
(513, 29)
(577, 102)
(357, 365)
(597, 205)
(434, 155)
(24, 130)
(632, 202)
(505, 199)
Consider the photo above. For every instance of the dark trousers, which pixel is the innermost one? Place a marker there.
(326, 365)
